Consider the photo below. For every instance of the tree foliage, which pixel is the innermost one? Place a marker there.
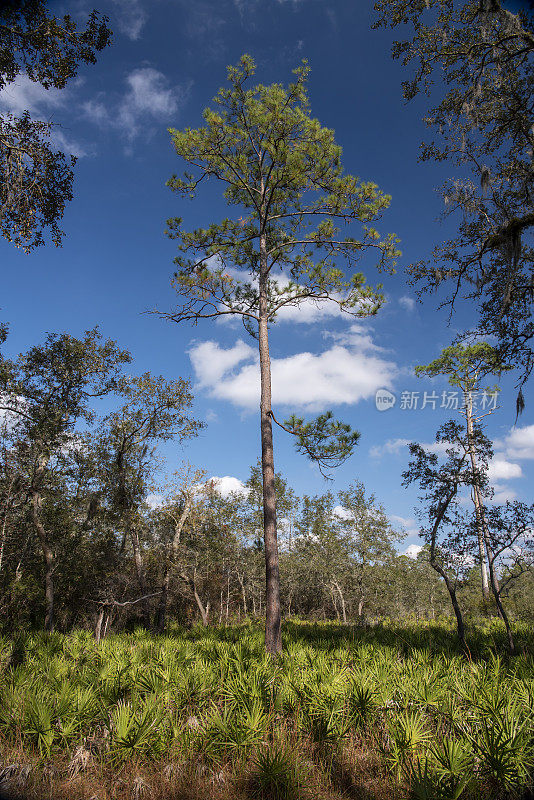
(35, 179)
(479, 56)
(283, 170)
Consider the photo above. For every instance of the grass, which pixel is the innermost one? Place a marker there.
(387, 712)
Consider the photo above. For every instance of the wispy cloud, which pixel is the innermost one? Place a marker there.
(407, 523)
(408, 303)
(26, 95)
(390, 447)
(131, 18)
(43, 104)
(148, 97)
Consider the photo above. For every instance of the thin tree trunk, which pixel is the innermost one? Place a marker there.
(98, 626)
(178, 527)
(48, 557)
(220, 608)
(141, 575)
(227, 598)
(360, 606)
(243, 593)
(4, 521)
(273, 612)
(333, 597)
(204, 610)
(192, 583)
(161, 613)
(479, 514)
(343, 609)
(497, 595)
(441, 511)
(454, 600)
(2, 543)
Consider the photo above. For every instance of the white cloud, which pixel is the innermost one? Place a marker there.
(519, 443)
(96, 112)
(500, 469)
(408, 303)
(409, 524)
(148, 96)
(307, 311)
(391, 447)
(342, 513)
(131, 18)
(412, 551)
(26, 95)
(337, 376)
(394, 446)
(358, 336)
(503, 494)
(62, 142)
(154, 501)
(211, 362)
(227, 485)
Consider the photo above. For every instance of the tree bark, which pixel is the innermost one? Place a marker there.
(98, 626)
(241, 580)
(141, 575)
(48, 557)
(178, 527)
(273, 614)
(441, 511)
(497, 595)
(360, 606)
(454, 600)
(161, 612)
(479, 514)
(341, 597)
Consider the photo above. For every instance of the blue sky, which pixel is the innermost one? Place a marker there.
(167, 60)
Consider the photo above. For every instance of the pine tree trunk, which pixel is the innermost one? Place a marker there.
(479, 516)
(273, 616)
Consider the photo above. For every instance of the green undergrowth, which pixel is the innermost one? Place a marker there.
(436, 724)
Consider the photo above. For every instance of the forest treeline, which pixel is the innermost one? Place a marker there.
(91, 537)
